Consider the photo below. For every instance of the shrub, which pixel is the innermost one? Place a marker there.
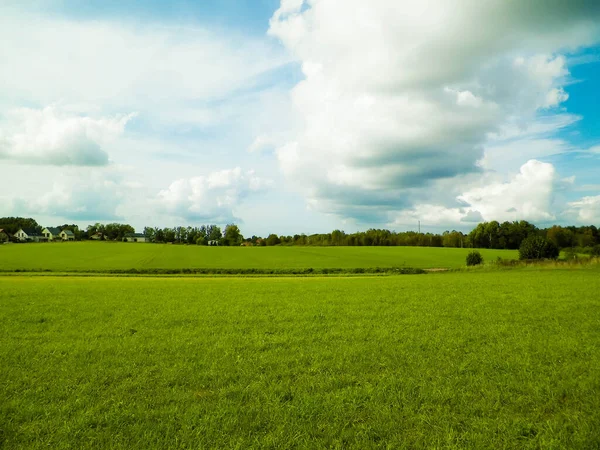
(537, 247)
(570, 255)
(474, 258)
(596, 251)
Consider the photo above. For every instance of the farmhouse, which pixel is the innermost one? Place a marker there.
(67, 235)
(213, 242)
(97, 236)
(4, 236)
(28, 235)
(51, 233)
(135, 237)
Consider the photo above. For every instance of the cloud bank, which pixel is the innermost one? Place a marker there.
(399, 100)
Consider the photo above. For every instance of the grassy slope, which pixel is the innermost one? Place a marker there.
(454, 360)
(100, 255)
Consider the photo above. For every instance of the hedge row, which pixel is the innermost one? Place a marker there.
(248, 271)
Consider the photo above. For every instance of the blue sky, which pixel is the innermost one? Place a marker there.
(300, 116)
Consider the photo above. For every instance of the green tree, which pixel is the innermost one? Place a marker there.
(13, 224)
(232, 235)
(272, 239)
(538, 247)
(214, 233)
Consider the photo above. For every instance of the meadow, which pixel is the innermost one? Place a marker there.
(99, 256)
(477, 359)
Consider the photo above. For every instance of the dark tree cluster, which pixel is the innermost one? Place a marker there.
(510, 235)
(204, 235)
(372, 237)
(110, 231)
(13, 224)
(538, 247)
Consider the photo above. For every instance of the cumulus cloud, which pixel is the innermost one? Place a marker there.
(53, 136)
(213, 197)
(396, 98)
(586, 209)
(527, 196)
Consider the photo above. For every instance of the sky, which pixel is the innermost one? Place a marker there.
(300, 116)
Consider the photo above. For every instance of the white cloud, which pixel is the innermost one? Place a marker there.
(213, 197)
(53, 136)
(395, 99)
(528, 195)
(182, 80)
(587, 209)
(82, 195)
(119, 64)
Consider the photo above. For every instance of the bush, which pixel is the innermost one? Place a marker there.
(595, 251)
(570, 254)
(474, 258)
(537, 247)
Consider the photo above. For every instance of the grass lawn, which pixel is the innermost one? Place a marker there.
(99, 256)
(504, 359)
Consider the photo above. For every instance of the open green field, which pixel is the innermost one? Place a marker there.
(482, 359)
(98, 256)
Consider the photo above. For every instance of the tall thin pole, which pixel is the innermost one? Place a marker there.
(419, 227)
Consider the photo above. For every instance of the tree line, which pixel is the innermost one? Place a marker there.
(492, 235)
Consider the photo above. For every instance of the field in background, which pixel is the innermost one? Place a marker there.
(451, 360)
(97, 256)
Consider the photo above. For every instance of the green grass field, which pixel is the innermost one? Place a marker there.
(98, 256)
(482, 359)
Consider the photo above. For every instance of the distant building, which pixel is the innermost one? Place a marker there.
(67, 235)
(135, 237)
(5, 236)
(28, 235)
(213, 242)
(51, 233)
(97, 237)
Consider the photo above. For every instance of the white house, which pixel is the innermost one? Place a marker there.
(28, 234)
(67, 235)
(51, 233)
(135, 237)
(213, 242)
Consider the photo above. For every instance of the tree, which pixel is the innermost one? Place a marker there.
(116, 231)
(272, 239)
(159, 235)
(13, 224)
(538, 247)
(232, 235)
(214, 233)
(150, 233)
(562, 237)
(337, 237)
(169, 235)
